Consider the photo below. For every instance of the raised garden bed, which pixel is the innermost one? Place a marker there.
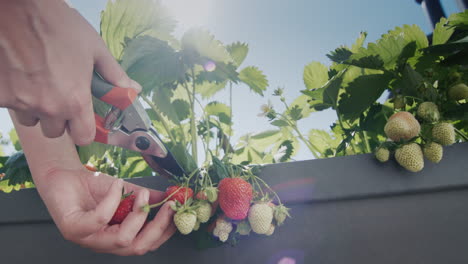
(349, 209)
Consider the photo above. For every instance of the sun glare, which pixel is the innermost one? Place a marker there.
(190, 13)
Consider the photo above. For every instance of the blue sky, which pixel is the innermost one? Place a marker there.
(283, 37)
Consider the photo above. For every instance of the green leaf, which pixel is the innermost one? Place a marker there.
(238, 52)
(280, 123)
(17, 170)
(362, 93)
(386, 50)
(254, 78)
(340, 55)
(182, 156)
(376, 118)
(301, 101)
(220, 110)
(94, 149)
(162, 101)
(219, 168)
(127, 19)
(359, 42)
(285, 151)
(315, 75)
(326, 96)
(295, 113)
(208, 89)
(182, 109)
(459, 20)
(152, 63)
(448, 48)
(221, 74)
(135, 167)
(15, 140)
(442, 32)
(203, 43)
(324, 141)
(251, 147)
(410, 82)
(410, 33)
(365, 60)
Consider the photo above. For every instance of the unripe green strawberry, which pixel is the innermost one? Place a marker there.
(443, 133)
(402, 126)
(271, 230)
(399, 102)
(458, 92)
(197, 226)
(260, 218)
(203, 211)
(410, 157)
(211, 194)
(433, 152)
(280, 213)
(185, 221)
(429, 112)
(222, 229)
(382, 154)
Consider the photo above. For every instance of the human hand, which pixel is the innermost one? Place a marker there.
(82, 204)
(48, 52)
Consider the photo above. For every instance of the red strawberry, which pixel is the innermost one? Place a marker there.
(201, 195)
(125, 207)
(180, 194)
(235, 195)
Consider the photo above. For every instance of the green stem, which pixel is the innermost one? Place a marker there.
(230, 111)
(160, 117)
(461, 134)
(363, 135)
(313, 149)
(193, 126)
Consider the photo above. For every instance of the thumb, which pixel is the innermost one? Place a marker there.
(110, 70)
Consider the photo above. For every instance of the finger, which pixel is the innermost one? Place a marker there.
(155, 231)
(152, 236)
(52, 128)
(82, 127)
(134, 221)
(110, 70)
(94, 220)
(26, 119)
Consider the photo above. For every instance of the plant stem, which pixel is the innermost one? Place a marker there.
(193, 127)
(230, 111)
(160, 117)
(461, 134)
(313, 149)
(363, 135)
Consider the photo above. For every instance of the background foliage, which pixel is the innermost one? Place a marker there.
(181, 76)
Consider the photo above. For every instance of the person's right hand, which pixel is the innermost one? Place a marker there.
(48, 53)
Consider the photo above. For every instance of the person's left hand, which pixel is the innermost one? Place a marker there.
(82, 203)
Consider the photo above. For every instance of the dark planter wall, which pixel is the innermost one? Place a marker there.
(345, 210)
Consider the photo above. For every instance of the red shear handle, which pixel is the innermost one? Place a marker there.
(101, 133)
(116, 96)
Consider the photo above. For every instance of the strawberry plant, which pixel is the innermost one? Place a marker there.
(400, 88)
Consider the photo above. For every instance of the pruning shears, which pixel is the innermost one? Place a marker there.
(127, 125)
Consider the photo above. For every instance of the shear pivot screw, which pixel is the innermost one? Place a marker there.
(142, 143)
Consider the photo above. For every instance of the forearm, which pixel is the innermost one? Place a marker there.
(44, 155)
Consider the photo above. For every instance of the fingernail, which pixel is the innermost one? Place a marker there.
(136, 85)
(170, 204)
